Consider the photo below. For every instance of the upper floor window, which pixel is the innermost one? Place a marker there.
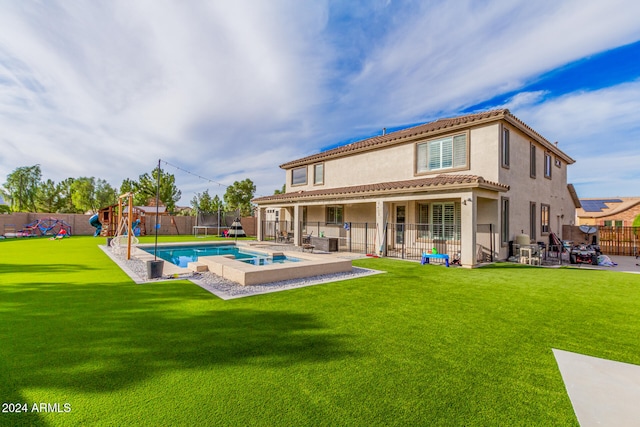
(505, 150)
(547, 165)
(443, 153)
(558, 162)
(532, 162)
(299, 176)
(318, 174)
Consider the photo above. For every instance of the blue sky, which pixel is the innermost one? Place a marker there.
(231, 90)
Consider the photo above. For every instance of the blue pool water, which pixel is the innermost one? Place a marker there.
(184, 254)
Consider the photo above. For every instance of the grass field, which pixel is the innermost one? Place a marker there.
(419, 345)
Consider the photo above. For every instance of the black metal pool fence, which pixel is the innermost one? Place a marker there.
(394, 240)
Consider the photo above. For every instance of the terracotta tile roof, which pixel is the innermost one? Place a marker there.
(438, 126)
(421, 184)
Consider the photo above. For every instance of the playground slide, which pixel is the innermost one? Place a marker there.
(95, 222)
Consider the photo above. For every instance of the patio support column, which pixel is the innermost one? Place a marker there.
(382, 217)
(261, 217)
(297, 219)
(468, 229)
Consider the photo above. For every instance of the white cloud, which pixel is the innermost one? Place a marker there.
(459, 53)
(231, 90)
(600, 130)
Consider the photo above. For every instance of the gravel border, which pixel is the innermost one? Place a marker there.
(226, 289)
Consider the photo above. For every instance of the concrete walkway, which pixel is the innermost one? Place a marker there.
(602, 392)
(627, 264)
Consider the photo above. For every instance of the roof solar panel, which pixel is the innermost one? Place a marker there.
(597, 205)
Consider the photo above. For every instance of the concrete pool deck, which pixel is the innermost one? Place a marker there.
(226, 289)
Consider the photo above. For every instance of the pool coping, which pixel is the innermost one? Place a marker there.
(246, 274)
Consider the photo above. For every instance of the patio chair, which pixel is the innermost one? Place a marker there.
(284, 237)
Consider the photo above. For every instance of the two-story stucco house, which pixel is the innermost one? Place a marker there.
(467, 184)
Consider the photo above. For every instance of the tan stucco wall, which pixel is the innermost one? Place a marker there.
(397, 163)
(524, 189)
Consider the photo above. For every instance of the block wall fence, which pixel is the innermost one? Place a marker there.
(80, 223)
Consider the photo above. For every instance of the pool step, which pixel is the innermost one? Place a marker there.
(197, 267)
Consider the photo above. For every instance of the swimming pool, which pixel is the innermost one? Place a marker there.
(182, 255)
(241, 263)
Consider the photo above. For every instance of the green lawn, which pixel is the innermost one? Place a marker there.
(419, 345)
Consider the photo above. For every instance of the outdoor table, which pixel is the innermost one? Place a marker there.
(425, 258)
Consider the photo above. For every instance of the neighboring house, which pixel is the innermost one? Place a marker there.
(474, 182)
(611, 212)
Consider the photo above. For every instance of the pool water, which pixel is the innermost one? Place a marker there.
(182, 255)
(262, 260)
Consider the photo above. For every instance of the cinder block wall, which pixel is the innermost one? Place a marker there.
(182, 225)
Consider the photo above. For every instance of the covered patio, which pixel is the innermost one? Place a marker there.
(398, 219)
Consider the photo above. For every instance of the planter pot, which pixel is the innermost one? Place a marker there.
(154, 269)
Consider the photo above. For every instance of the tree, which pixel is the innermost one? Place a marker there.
(128, 186)
(22, 188)
(216, 204)
(202, 202)
(238, 196)
(205, 203)
(169, 193)
(83, 194)
(282, 191)
(47, 199)
(105, 194)
(65, 201)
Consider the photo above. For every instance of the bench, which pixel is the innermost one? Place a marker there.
(426, 257)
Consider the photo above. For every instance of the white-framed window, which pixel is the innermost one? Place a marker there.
(532, 161)
(506, 149)
(445, 221)
(318, 174)
(299, 176)
(335, 214)
(504, 223)
(439, 221)
(547, 165)
(443, 153)
(545, 215)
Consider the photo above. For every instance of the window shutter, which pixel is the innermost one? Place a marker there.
(423, 213)
(459, 151)
(447, 153)
(434, 155)
(422, 157)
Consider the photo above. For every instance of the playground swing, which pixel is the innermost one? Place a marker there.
(124, 233)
